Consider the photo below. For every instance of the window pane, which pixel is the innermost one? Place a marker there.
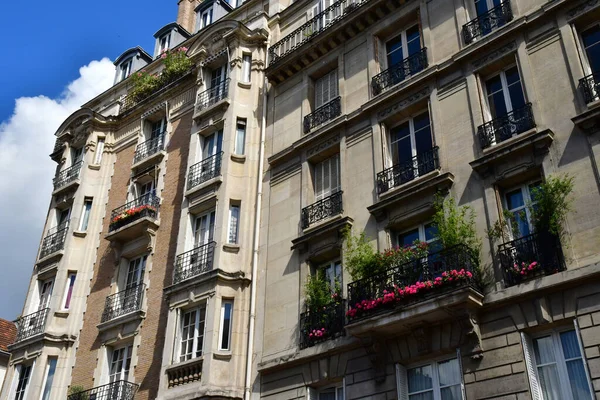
(451, 393)
(430, 232)
(570, 345)
(591, 42)
(548, 376)
(394, 51)
(49, 378)
(71, 283)
(420, 379)
(449, 372)
(227, 310)
(578, 380)
(240, 138)
(328, 394)
(422, 396)
(408, 238)
(413, 40)
(544, 350)
(514, 199)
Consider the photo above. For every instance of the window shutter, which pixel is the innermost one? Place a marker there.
(583, 357)
(401, 382)
(319, 93)
(311, 393)
(335, 174)
(333, 82)
(536, 393)
(319, 181)
(344, 388)
(15, 381)
(462, 377)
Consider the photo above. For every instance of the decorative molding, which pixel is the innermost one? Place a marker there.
(543, 40)
(581, 8)
(495, 55)
(405, 102)
(451, 88)
(325, 144)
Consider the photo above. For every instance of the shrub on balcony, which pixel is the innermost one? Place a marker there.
(456, 225)
(144, 84)
(132, 213)
(319, 297)
(78, 392)
(552, 203)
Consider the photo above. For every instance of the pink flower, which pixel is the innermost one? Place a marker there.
(469, 274)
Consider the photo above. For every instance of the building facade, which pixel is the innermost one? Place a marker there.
(196, 200)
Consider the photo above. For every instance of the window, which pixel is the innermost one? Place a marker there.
(120, 364)
(85, 214)
(218, 76)
(23, 372)
(234, 223)
(135, 272)
(62, 218)
(146, 189)
(504, 93)
(518, 202)
(45, 288)
(76, 155)
(203, 228)
(591, 44)
(125, 69)
(192, 333)
(69, 290)
(246, 67)
(158, 128)
(49, 377)
(240, 137)
(99, 151)
(326, 89)
(433, 381)
(164, 43)
(412, 148)
(483, 6)
(327, 177)
(333, 274)
(404, 45)
(205, 18)
(332, 393)
(556, 366)
(226, 321)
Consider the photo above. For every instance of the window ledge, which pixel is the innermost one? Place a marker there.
(231, 248)
(222, 355)
(240, 158)
(80, 234)
(95, 167)
(245, 85)
(62, 314)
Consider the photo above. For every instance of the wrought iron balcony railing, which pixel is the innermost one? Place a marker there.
(68, 175)
(530, 256)
(590, 85)
(504, 127)
(213, 95)
(322, 325)
(149, 148)
(55, 239)
(405, 172)
(124, 302)
(312, 28)
(322, 209)
(194, 262)
(399, 72)
(144, 206)
(438, 273)
(118, 390)
(486, 23)
(204, 170)
(32, 324)
(323, 114)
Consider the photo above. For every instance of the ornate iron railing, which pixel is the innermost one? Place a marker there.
(118, 390)
(148, 148)
(530, 256)
(590, 85)
(204, 170)
(399, 72)
(323, 114)
(399, 174)
(487, 22)
(440, 264)
(322, 325)
(506, 126)
(32, 324)
(312, 28)
(54, 239)
(144, 206)
(124, 302)
(194, 262)
(68, 175)
(213, 95)
(325, 208)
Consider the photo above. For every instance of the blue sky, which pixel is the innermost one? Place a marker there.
(57, 58)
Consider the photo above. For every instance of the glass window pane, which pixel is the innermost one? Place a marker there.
(544, 350)
(591, 42)
(570, 345)
(578, 380)
(227, 311)
(413, 40)
(430, 232)
(517, 99)
(420, 379)
(548, 377)
(327, 394)
(394, 51)
(49, 378)
(451, 393)
(514, 199)
(449, 372)
(422, 396)
(408, 238)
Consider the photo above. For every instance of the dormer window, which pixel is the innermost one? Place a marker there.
(125, 69)
(205, 18)
(164, 43)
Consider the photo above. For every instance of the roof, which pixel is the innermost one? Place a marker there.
(8, 334)
(131, 52)
(170, 27)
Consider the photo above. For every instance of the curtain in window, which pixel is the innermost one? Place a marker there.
(545, 360)
(575, 368)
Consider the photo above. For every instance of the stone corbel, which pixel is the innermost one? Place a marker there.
(151, 236)
(422, 336)
(116, 249)
(376, 350)
(474, 335)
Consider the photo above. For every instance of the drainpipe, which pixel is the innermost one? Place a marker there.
(259, 189)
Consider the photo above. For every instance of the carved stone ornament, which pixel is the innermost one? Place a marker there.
(376, 351)
(495, 55)
(405, 102)
(323, 145)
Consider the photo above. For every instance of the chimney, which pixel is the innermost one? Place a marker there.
(186, 16)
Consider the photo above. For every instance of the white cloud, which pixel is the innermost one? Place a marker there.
(26, 171)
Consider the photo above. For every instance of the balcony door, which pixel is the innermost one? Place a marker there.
(327, 178)
(158, 128)
(518, 201)
(211, 146)
(217, 79)
(404, 45)
(120, 364)
(45, 288)
(62, 218)
(76, 155)
(146, 190)
(591, 44)
(135, 277)
(326, 89)
(204, 226)
(411, 149)
(504, 93)
(484, 6)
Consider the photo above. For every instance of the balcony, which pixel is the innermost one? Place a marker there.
(399, 72)
(119, 390)
(149, 151)
(54, 241)
(67, 177)
(131, 220)
(204, 171)
(165, 83)
(122, 303)
(323, 325)
(590, 86)
(423, 289)
(212, 96)
(323, 114)
(194, 262)
(402, 173)
(505, 127)
(185, 372)
(529, 257)
(31, 325)
(322, 209)
(486, 23)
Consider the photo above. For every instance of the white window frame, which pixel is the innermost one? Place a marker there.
(99, 151)
(164, 43)
(208, 13)
(195, 341)
(24, 394)
(233, 232)
(413, 139)
(339, 388)
(246, 67)
(125, 69)
(560, 361)
(505, 92)
(404, 40)
(240, 137)
(526, 192)
(136, 269)
(42, 284)
(402, 377)
(421, 229)
(123, 373)
(323, 86)
(224, 303)
(46, 375)
(85, 214)
(319, 170)
(332, 265)
(208, 236)
(70, 276)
